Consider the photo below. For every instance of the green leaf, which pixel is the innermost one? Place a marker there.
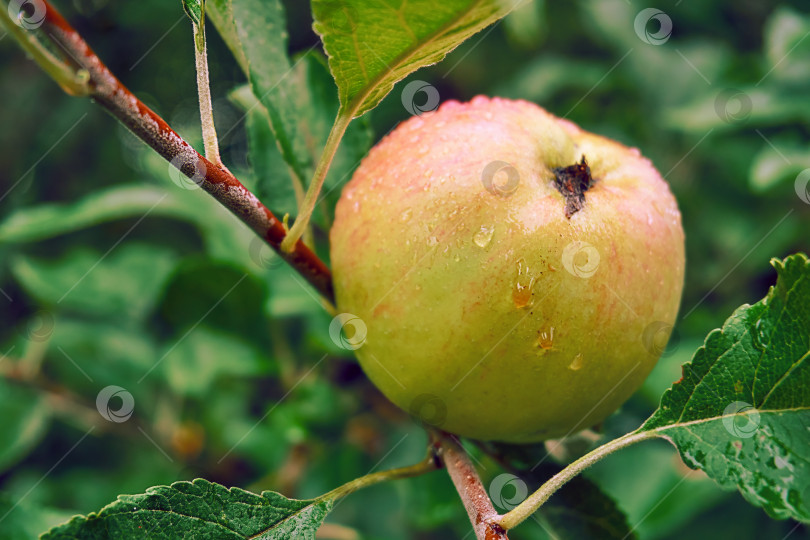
(22, 520)
(526, 26)
(218, 295)
(87, 355)
(373, 45)
(226, 237)
(741, 412)
(772, 167)
(24, 418)
(274, 185)
(124, 283)
(786, 46)
(195, 9)
(260, 27)
(207, 355)
(318, 107)
(53, 219)
(199, 509)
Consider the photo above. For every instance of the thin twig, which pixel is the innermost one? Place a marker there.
(483, 516)
(108, 91)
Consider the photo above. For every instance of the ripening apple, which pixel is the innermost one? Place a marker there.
(517, 277)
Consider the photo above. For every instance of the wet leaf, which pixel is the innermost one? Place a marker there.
(199, 509)
(371, 46)
(741, 412)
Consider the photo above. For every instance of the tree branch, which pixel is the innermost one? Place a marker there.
(483, 516)
(81, 63)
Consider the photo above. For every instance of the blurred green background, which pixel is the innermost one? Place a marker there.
(112, 274)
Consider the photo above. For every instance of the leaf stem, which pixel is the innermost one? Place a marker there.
(534, 501)
(426, 465)
(209, 131)
(310, 200)
(108, 91)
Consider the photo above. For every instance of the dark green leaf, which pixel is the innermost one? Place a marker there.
(216, 295)
(583, 511)
(201, 510)
(371, 46)
(741, 412)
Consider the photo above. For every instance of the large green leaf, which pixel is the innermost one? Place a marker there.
(199, 509)
(52, 219)
(225, 236)
(372, 45)
(741, 412)
(123, 283)
(261, 29)
(273, 182)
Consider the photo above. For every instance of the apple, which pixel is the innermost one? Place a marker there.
(516, 278)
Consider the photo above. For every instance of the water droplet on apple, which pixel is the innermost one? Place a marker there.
(545, 338)
(576, 363)
(457, 258)
(432, 241)
(524, 281)
(406, 214)
(483, 236)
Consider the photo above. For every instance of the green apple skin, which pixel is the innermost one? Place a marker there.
(478, 320)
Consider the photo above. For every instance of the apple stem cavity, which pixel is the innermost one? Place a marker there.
(572, 182)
